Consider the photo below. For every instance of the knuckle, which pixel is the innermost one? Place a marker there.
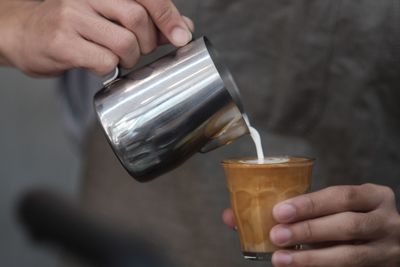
(149, 47)
(356, 256)
(136, 16)
(126, 43)
(164, 13)
(307, 232)
(355, 226)
(388, 193)
(65, 12)
(375, 226)
(369, 186)
(57, 42)
(148, 50)
(385, 192)
(310, 205)
(350, 194)
(131, 61)
(372, 188)
(135, 60)
(107, 65)
(304, 259)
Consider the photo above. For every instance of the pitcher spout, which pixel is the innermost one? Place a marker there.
(226, 126)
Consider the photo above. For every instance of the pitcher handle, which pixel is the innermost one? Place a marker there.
(115, 75)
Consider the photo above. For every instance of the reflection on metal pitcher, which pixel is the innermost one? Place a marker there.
(158, 116)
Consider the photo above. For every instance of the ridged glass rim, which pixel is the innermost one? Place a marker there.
(240, 162)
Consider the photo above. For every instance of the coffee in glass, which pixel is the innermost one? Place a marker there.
(255, 186)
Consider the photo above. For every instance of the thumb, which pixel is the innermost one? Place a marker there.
(169, 21)
(162, 40)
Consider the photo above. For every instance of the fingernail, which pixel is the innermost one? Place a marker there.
(285, 212)
(235, 228)
(281, 235)
(181, 36)
(282, 259)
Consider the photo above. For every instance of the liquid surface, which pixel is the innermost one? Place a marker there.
(270, 160)
(256, 188)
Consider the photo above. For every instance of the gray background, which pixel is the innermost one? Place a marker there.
(34, 152)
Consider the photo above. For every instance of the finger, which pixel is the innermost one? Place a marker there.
(85, 54)
(189, 23)
(168, 20)
(229, 218)
(344, 226)
(133, 17)
(117, 39)
(331, 200)
(342, 255)
(162, 40)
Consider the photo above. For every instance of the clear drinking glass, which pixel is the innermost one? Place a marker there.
(254, 190)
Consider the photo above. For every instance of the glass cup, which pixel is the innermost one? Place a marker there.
(255, 188)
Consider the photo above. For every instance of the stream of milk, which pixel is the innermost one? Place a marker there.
(260, 153)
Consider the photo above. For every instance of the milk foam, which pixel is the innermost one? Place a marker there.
(271, 160)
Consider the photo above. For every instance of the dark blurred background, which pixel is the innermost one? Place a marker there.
(34, 153)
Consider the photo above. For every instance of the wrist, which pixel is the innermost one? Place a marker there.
(12, 17)
(4, 5)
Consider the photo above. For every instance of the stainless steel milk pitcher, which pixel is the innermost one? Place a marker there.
(158, 116)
